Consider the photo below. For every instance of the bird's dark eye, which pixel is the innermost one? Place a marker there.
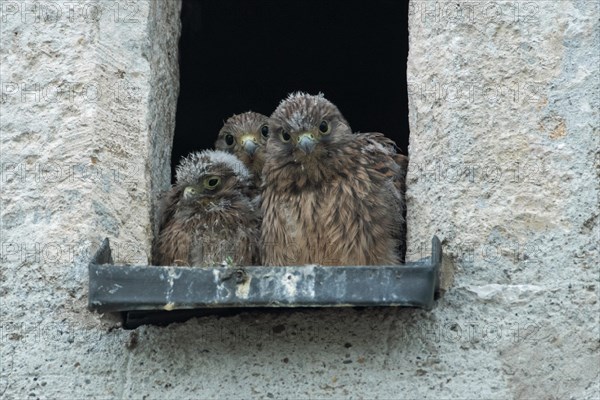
(324, 127)
(229, 139)
(285, 137)
(264, 131)
(212, 182)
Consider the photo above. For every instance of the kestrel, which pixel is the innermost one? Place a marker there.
(330, 197)
(209, 217)
(245, 135)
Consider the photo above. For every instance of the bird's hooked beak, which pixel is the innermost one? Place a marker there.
(189, 192)
(306, 142)
(192, 192)
(249, 144)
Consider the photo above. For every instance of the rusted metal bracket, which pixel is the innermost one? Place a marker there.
(141, 291)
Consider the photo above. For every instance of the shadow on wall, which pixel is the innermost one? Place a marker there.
(237, 55)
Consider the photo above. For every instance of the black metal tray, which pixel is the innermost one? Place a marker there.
(139, 289)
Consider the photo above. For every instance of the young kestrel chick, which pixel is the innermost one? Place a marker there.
(330, 196)
(209, 217)
(245, 135)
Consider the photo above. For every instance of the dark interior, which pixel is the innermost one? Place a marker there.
(240, 55)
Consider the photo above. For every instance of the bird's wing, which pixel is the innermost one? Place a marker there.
(383, 156)
(174, 245)
(166, 206)
(387, 166)
(166, 211)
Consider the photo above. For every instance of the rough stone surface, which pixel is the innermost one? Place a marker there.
(504, 150)
(504, 168)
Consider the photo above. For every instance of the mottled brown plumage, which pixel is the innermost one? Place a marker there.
(330, 196)
(245, 135)
(210, 216)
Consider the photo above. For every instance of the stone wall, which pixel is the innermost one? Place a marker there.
(504, 101)
(504, 168)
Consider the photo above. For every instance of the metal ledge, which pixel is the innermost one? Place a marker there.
(115, 288)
